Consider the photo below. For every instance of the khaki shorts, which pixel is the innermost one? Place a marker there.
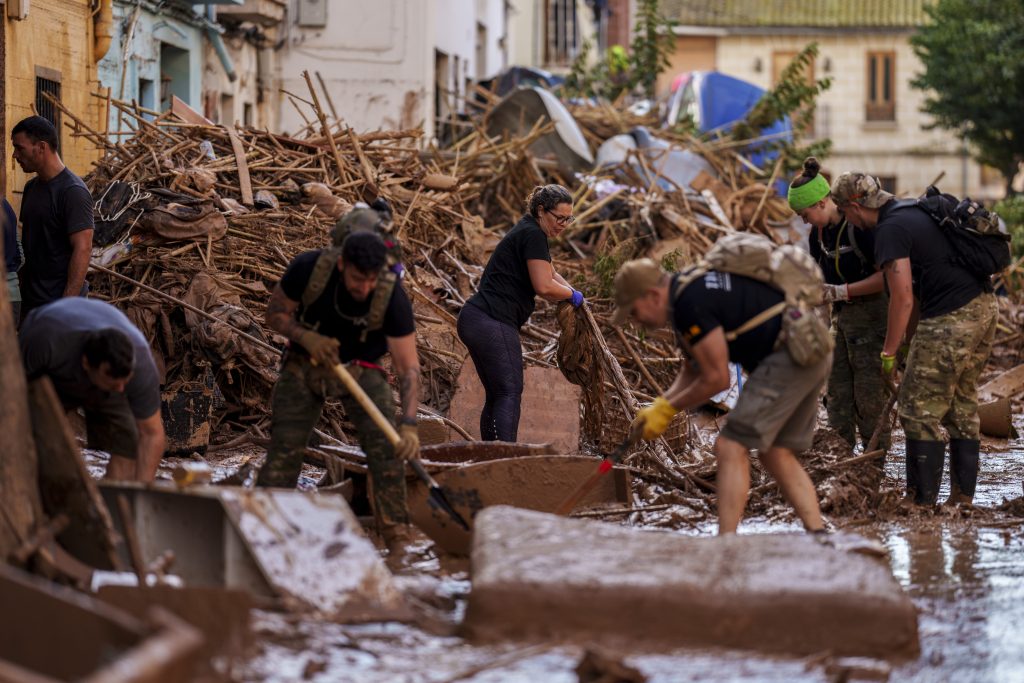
(110, 426)
(778, 406)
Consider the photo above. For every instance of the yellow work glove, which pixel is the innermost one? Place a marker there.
(323, 350)
(408, 445)
(655, 418)
(888, 364)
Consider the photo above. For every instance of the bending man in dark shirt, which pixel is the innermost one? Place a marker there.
(777, 409)
(950, 347)
(329, 331)
(99, 361)
(56, 218)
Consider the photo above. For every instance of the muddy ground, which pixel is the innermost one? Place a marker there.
(963, 570)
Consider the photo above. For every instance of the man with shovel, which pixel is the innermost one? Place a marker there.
(355, 320)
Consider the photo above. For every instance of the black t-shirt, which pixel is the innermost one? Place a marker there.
(940, 285)
(336, 314)
(506, 292)
(50, 213)
(51, 340)
(836, 242)
(728, 301)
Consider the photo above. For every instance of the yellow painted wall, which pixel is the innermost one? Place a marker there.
(58, 35)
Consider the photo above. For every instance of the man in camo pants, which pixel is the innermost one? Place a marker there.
(952, 343)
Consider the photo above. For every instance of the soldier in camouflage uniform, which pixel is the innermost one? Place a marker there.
(336, 327)
(957, 313)
(857, 393)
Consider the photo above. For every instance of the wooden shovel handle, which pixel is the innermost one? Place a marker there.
(369, 406)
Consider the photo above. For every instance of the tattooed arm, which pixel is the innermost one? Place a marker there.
(407, 366)
(901, 303)
(280, 315)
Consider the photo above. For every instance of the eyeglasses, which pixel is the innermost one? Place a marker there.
(561, 220)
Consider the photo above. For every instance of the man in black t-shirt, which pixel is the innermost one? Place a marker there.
(777, 409)
(952, 342)
(331, 330)
(56, 218)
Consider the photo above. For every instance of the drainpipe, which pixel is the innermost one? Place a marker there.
(213, 31)
(102, 27)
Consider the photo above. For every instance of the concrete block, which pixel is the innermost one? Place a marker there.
(539, 576)
(550, 407)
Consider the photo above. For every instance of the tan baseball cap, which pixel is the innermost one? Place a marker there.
(860, 188)
(633, 279)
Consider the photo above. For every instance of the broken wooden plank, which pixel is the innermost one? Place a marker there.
(244, 182)
(65, 484)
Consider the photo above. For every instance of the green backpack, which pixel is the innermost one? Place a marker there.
(361, 218)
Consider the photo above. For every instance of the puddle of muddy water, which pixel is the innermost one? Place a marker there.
(966, 579)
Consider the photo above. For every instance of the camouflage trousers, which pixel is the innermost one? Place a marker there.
(297, 403)
(947, 355)
(857, 394)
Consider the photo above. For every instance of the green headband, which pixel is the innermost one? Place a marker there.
(808, 194)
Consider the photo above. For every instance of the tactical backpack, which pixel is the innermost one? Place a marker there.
(361, 218)
(972, 231)
(786, 268)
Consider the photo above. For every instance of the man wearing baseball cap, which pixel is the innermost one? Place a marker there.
(957, 322)
(718, 318)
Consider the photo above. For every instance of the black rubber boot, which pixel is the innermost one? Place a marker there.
(963, 470)
(924, 470)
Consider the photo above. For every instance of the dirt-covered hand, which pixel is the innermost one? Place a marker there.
(655, 418)
(408, 445)
(836, 293)
(323, 350)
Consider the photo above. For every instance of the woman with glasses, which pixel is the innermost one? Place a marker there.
(856, 393)
(519, 270)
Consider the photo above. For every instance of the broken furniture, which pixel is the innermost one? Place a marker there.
(306, 551)
(53, 633)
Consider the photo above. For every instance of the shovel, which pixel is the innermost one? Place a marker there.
(436, 492)
(606, 465)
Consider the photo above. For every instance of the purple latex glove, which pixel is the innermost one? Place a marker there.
(577, 298)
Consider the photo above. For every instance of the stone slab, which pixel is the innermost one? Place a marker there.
(550, 407)
(539, 576)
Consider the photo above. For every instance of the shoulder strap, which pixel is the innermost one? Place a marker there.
(762, 317)
(325, 264)
(379, 304)
(850, 231)
(684, 278)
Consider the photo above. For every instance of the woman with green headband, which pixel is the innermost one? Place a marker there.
(856, 393)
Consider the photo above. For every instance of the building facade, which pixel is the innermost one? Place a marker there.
(390, 63)
(549, 34)
(870, 113)
(52, 46)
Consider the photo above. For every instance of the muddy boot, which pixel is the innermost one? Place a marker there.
(924, 470)
(397, 539)
(912, 478)
(963, 470)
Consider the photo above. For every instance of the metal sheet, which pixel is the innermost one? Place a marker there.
(534, 483)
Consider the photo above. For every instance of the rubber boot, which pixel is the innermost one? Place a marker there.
(912, 478)
(924, 470)
(397, 539)
(963, 470)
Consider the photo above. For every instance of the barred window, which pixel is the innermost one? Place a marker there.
(48, 81)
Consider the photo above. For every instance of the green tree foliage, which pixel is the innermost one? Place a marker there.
(795, 96)
(973, 55)
(653, 44)
(617, 72)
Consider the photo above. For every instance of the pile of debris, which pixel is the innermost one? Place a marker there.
(212, 215)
